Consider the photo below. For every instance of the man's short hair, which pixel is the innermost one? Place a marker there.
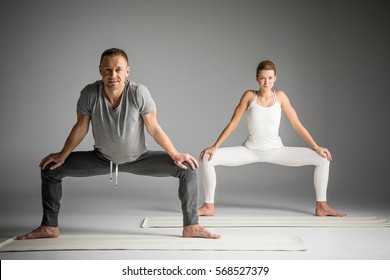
(114, 52)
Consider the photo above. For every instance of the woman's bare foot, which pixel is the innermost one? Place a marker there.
(197, 231)
(207, 209)
(41, 232)
(323, 209)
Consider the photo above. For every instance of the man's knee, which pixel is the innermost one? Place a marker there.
(48, 173)
(189, 172)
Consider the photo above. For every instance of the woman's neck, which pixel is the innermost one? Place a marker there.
(265, 92)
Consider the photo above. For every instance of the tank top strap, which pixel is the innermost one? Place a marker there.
(254, 101)
(274, 95)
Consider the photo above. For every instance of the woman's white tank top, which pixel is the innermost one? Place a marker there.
(263, 125)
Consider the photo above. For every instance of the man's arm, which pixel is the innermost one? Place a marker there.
(77, 134)
(158, 134)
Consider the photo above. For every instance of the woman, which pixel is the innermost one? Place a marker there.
(263, 143)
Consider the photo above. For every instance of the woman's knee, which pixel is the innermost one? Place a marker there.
(323, 161)
(206, 160)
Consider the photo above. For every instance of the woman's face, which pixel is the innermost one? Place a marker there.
(266, 79)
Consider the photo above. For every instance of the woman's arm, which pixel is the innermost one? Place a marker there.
(298, 127)
(245, 101)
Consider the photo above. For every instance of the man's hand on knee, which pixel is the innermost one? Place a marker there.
(184, 157)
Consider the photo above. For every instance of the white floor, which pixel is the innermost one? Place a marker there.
(98, 216)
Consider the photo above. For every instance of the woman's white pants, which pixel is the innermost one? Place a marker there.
(288, 156)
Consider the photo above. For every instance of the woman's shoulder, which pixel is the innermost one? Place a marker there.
(282, 98)
(249, 94)
(246, 99)
(280, 95)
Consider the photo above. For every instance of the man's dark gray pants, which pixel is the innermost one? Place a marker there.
(92, 163)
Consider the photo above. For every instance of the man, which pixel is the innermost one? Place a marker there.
(118, 111)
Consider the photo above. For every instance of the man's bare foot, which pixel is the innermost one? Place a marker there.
(41, 232)
(207, 209)
(323, 209)
(197, 231)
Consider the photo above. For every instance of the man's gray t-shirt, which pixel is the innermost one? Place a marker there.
(119, 133)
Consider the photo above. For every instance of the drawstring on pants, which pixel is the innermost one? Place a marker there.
(116, 173)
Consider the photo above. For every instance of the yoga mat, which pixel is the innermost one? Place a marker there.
(156, 242)
(269, 221)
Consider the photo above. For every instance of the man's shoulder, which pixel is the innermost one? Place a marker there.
(135, 87)
(92, 87)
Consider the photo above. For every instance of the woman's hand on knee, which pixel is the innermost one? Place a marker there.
(324, 152)
(208, 151)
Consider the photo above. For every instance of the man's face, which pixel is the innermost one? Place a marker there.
(114, 71)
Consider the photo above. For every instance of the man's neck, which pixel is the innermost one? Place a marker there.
(114, 96)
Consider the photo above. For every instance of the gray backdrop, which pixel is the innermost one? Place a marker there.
(197, 58)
